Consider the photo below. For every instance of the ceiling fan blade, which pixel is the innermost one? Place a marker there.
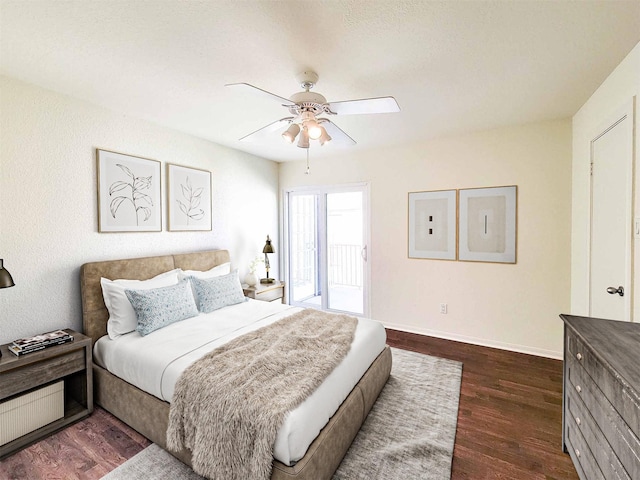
(365, 105)
(255, 90)
(338, 136)
(267, 133)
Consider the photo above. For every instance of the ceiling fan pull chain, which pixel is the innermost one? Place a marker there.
(308, 169)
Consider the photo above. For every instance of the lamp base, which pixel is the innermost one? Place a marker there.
(267, 280)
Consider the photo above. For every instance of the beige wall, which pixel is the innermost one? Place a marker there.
(507, 306)
(621, 87)
(48, 213)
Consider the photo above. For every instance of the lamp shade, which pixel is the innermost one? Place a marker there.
(291, 133)
(324, 138)
(314, 130)
(5, 277)
(303, 139)
(268, 248)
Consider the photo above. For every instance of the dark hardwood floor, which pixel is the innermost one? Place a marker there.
(509, 423)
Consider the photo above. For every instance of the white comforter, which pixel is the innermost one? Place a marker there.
(153, 363)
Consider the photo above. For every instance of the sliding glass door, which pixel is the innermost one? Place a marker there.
(327, 235)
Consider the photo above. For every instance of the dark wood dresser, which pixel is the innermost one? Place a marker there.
(601, 400)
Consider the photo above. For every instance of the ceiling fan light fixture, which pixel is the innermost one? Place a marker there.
(313, 129)
(291, 133)
(324, 137)
(311, 125)
(315, 132)
(303, 139)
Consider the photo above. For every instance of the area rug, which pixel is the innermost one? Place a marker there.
(409, 433)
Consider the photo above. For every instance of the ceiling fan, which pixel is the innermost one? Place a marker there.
(307, 108)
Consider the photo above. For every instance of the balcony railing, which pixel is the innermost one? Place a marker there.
(345, 265)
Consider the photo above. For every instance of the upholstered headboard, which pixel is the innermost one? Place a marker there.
(94, 311)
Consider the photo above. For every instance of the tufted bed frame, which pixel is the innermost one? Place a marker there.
(149, 415)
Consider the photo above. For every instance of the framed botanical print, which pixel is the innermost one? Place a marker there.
(487, 224)
(188, 198)
(432, 225)
(129, 193)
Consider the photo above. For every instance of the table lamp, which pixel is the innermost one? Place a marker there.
(268, 248)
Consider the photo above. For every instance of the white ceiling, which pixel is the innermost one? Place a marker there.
(453, 66)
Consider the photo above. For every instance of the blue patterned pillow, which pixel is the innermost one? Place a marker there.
(159, 307)
(218, 292)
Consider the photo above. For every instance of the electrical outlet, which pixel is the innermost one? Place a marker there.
(443, 308)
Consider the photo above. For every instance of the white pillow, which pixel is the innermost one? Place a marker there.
(122, 317)
(217, 271)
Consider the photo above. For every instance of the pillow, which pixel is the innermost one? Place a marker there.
(122, 317)
(217, 271)
(158, 307)
(217, 292)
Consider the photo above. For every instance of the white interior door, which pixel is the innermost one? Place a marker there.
(611, 219)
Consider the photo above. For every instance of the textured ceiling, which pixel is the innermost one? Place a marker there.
(453, 66)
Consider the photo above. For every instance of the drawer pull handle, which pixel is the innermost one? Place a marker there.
(579, 356)
(577, 453)
(578, 420)
(578, 388)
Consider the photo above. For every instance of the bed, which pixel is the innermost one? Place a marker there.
(149, 414)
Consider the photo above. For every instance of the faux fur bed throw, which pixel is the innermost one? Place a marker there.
(228, 406)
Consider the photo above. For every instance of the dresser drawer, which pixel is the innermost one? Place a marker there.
(577, 414)
(586, 465)
(571, 450)
(30, 376)
(625, 401)
(616, 431)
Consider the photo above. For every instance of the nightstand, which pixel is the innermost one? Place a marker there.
(25, 377)
(267, 292)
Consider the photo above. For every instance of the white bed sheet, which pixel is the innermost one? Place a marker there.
(153, 363)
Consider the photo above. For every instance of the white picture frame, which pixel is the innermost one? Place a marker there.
(188, 198)
(488, 224)
(432, 225)
(129, 193)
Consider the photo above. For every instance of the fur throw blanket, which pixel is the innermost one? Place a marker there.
(227, 407)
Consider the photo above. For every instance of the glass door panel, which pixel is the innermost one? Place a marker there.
(303, 249)
(345, 251)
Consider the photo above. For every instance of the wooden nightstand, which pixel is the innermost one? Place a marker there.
(70, 362)
(267, 292)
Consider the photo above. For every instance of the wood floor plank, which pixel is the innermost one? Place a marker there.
(509, 423)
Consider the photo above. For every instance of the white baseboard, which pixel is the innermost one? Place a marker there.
(539, 352)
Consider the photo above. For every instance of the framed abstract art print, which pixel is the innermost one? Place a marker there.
(432, 225)
(487, 224)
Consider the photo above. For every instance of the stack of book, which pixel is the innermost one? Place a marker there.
(23, 346)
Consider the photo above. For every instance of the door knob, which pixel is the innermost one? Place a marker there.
(614, 290)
